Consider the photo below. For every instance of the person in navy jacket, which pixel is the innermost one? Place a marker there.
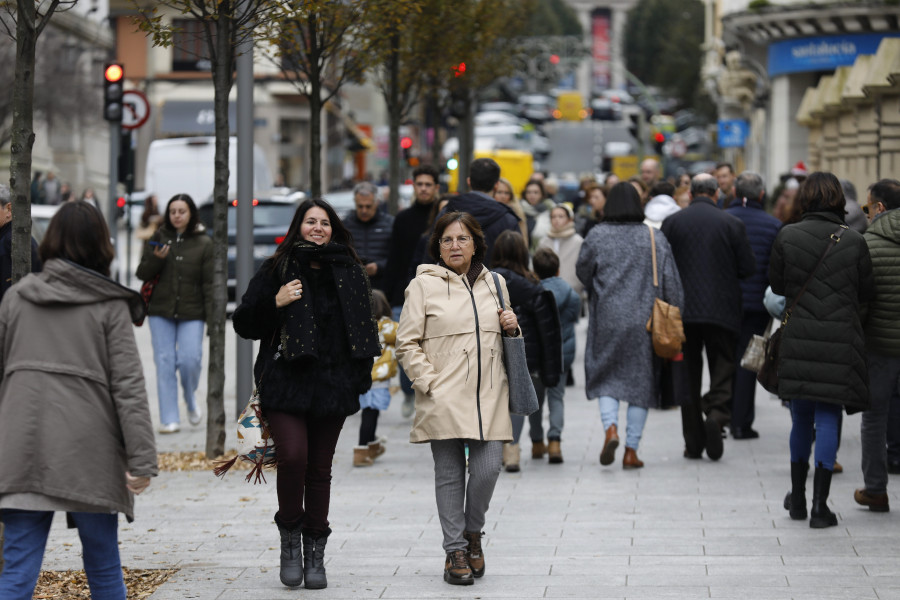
(761, 227)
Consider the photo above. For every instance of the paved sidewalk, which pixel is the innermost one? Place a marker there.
(675, 529)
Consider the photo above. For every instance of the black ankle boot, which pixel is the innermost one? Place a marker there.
(820, 515)
(795, 501)
(291, 559)
(314, 560)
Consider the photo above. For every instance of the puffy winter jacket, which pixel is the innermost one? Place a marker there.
(761, 231)
(823, 354)
(883, 323)
(538, 317)
(372, 241)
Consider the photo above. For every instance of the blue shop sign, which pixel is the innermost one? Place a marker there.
(733, 133)
(824, 53)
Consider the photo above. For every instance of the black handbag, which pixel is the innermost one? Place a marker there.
(522, 397)
(767, 376)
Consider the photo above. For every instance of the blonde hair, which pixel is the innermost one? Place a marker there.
(516, 205)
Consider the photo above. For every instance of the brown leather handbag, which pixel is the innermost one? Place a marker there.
(664, 324)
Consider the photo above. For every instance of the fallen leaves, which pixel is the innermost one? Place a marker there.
(73, 585)
(196, 461)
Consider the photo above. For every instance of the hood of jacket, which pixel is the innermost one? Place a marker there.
(887, 226)
(485, 209)
(65, 282)
(660, 207)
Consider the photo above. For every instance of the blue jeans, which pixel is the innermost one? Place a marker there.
(826, 418)
(177, 346)
(555, 407)
(637, 418)
(405, 383)
(25, 536)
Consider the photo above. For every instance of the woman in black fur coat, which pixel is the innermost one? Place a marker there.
(310, 307)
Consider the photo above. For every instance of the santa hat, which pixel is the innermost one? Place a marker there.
(799, 169)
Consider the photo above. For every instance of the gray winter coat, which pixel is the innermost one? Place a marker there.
(616, 268)
(73, 407)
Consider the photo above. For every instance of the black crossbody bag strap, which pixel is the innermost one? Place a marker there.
(834, 239)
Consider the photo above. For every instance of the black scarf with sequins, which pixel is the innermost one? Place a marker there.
(299, 335)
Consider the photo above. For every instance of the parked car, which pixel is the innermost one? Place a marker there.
(507, 107)
(272, 214)
(496, 117)
(605, 109)
(537, 108)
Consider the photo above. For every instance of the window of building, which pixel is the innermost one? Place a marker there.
(189, 48)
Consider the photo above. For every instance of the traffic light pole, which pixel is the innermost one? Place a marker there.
(115, 137)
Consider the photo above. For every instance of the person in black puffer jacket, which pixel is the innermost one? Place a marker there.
(539, 320)
(822, 363)
(310, 307)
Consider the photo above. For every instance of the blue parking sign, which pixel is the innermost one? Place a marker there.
(733, 133)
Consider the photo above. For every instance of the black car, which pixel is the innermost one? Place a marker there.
(271, 218)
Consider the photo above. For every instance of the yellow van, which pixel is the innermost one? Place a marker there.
(570, 107)
(515, 165)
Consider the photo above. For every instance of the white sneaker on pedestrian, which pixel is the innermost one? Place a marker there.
(409, 406)
(195, 416)
(169, 428)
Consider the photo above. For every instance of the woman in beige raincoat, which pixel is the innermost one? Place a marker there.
(449, 343)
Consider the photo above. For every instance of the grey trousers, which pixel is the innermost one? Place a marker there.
(883, 373)
(462, 507)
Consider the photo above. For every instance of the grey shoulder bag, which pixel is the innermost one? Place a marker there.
(522, 397)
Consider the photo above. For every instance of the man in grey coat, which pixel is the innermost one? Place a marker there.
(713, 254)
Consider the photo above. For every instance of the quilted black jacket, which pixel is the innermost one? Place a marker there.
(712, 254)
(823, 351)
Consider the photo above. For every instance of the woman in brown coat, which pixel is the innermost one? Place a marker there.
(73, 408)
(449, 343)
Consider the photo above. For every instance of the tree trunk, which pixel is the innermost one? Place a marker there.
(315, 111)
(394, 126)
(22, 138)
(223, 77)
(435, 109)
(466, 142)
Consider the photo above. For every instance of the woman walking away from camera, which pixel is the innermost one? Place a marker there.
(181, 255)
(539, 318)
(310, 307)
(378, 398)
(822, 364)
(616, 267)
(450, 346)
(73, 407)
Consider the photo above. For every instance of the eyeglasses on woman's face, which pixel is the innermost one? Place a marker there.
(463, 241)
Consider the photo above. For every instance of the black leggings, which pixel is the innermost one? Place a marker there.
(367, 425)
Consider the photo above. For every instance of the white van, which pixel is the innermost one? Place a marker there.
(187, 166)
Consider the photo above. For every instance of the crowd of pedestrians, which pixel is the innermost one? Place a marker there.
(345, 303)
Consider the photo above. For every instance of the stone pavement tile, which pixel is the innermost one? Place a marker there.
(886, 593)
(627, 592)
(819, 592)
(790, 571)
(668, 580)
(607, 567)
(749, 561)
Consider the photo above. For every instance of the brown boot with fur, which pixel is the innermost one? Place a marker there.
(361, 457)
(376, 449)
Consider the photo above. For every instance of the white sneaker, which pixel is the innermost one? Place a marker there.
(169, 428)
(409, 406)
(195, 416)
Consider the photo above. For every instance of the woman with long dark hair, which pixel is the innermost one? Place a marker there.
(180, 255)
(822, 364)
(309, 305)
(616, 267)
(73, 406)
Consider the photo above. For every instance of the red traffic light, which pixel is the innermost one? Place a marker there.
(459, 70)
(406, 142)
(113, 72)
(554, 59)
(659, 138)
(120, 202)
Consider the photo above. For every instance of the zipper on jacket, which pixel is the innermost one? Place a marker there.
(478, 344)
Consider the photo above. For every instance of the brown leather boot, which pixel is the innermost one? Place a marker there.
(631, 460)
(538, 450)
(608, 455)
(361, 457)
(474, 553)
(457, 570)
(554, 452)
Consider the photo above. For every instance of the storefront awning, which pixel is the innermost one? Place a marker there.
(193, 117)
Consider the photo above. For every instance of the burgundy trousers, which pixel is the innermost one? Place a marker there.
(304, 447)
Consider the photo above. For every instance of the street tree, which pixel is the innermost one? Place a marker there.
(224, 26)
(24, 20)
(317, 46)
(663, 45)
